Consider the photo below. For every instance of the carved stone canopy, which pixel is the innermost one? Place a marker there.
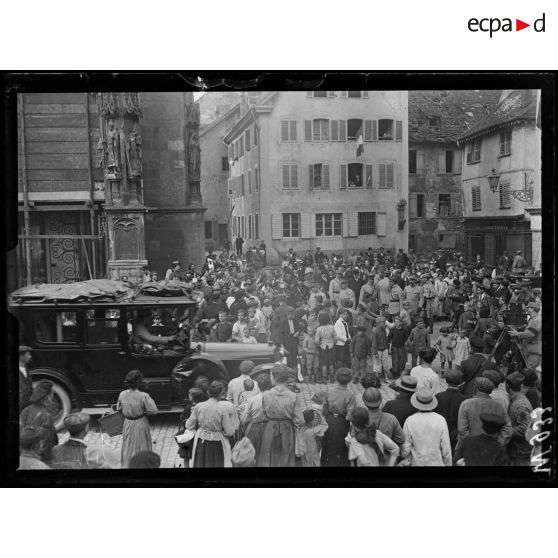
(112, 105)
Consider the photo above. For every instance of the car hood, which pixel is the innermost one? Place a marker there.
(235, 351)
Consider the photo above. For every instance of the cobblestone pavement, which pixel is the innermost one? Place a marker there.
(165, 425)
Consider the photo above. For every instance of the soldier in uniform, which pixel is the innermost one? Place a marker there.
(429, 301)
(531, 336)
(396, 297)
(413, 294)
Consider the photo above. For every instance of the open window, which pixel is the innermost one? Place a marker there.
(56, 327)
(355, 177)
(354, 128)
(101, 326)
(386, 129)
(319, 176)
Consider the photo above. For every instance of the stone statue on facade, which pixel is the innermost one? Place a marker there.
(133, 152)
(112, 161)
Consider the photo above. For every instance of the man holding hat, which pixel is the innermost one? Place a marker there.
(531, 336)
(427, 442)
(382, 421)
(449, 402)
(71, 454)
(468, 419)
(236, 385)
(401, 407)
(484, 450)
(519, 449)
(25, 384)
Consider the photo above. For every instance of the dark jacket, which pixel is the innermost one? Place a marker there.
(448, 406)
(400, 407)
(482, 451)
(25, 390)
(289, 341)
(471, 369)
(70, 455)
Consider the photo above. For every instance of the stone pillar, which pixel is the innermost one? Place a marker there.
(119, 153)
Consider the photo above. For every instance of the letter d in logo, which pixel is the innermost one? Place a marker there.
(539, 24)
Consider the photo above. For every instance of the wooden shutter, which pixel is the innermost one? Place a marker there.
(368, 177)
(390, 175)
(284, 130)
(241, 151)
(286, 176)
(452, 206)
(457, 154)
(374, 130)
(325, 176)
(420, 162)
(331, 93)
(311, 176)
(368, 130)
(276, 226)
(342, 130)
(381, 224)
(294, 176)
(441, 165)
(398, 130)
(247, 140)
(308, 130)
(342, 176)
(352, 224)
(309, 94)
(335, 130)
(344, 94)
(412, 205)
(365, 94)
(293, 134)
(305, 226)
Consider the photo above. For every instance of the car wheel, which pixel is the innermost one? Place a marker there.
(61, 405)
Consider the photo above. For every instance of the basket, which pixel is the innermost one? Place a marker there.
(112, 422)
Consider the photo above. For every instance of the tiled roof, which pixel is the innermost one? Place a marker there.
(443, 116)
(519, 105)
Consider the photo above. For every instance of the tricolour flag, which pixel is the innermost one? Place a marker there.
(359, 142)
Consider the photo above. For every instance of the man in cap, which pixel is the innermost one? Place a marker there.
(71, 454)
(236, 385)
(25, 384)
(484, 450)
(401, 407)
(379, 348)
(384, 288)
(319, 256)
(368, 289)
(426, 433)
(449, 402)
(384, 422)
(413, 295)
(497, 394)
(519, 449)
(31, 440)
(396, 297)
(315, 292)
(530, 387)
(531, 336)
(468, 419)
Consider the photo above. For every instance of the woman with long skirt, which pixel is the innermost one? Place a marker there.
(136, 406)
(283, 411)
(253, 418)
(214, 425)
(338, 406)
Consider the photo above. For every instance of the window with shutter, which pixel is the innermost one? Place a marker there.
(354, 128)
(412, 161)
(247, 139)
(294, 176)
(381, 224)
(474, 152)
(257, 179)
(476, 197)
(420, 162)
(276, 226)
(505, 143)
(369, 176)
(284, 130)
(311, 176)
(291, 225)
(309, 94)
(249, 181)
(412, 205)
(241, 147)
(329, 224)
(420, 205)
(505, 197)
(292, 127)
(325, 176)
(344, 94)
(365, 94)
(398, 130)
(368, 130)
(342, 176)
(257, 226)
(441, 162)
(449, 161)
(290, 176)
(320, 129)
(366, 223)
(386, 175)
(354, 175)
(457, 155)
(385, 129)
(242, 185)
(354, 94)
(308, 130)
(374, 130)
(444, 203)
(331, 94)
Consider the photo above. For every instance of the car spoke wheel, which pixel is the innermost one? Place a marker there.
(60, 406)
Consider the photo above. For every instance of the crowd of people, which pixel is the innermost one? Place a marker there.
(366, 319)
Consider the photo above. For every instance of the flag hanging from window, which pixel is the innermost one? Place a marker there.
(359, 143)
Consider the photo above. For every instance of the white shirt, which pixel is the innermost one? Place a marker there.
(236, 387)
(341, 332)
(426, 440)
(426, 377)
(23, 370)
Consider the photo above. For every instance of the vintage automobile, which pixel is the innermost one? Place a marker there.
(85, 345)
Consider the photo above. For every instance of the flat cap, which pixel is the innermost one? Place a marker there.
(494, 376)
(515, 380)
(76, 422)
(246, 366)
(454, 377)
(484, 384)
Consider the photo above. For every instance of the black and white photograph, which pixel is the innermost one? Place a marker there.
(227, 278)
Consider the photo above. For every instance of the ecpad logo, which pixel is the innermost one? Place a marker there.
(493, 25)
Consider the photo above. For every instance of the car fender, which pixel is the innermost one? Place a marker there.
(202, 357)
(67, 380)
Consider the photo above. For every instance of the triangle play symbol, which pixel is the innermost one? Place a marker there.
(519, 25)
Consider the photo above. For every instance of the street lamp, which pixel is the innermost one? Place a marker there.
(493, 180)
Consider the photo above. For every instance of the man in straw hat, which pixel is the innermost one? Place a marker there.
(385, 422)
(427, 441)
(401, 407)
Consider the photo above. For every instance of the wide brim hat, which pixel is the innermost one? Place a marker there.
(407, 383)
(424, 400)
